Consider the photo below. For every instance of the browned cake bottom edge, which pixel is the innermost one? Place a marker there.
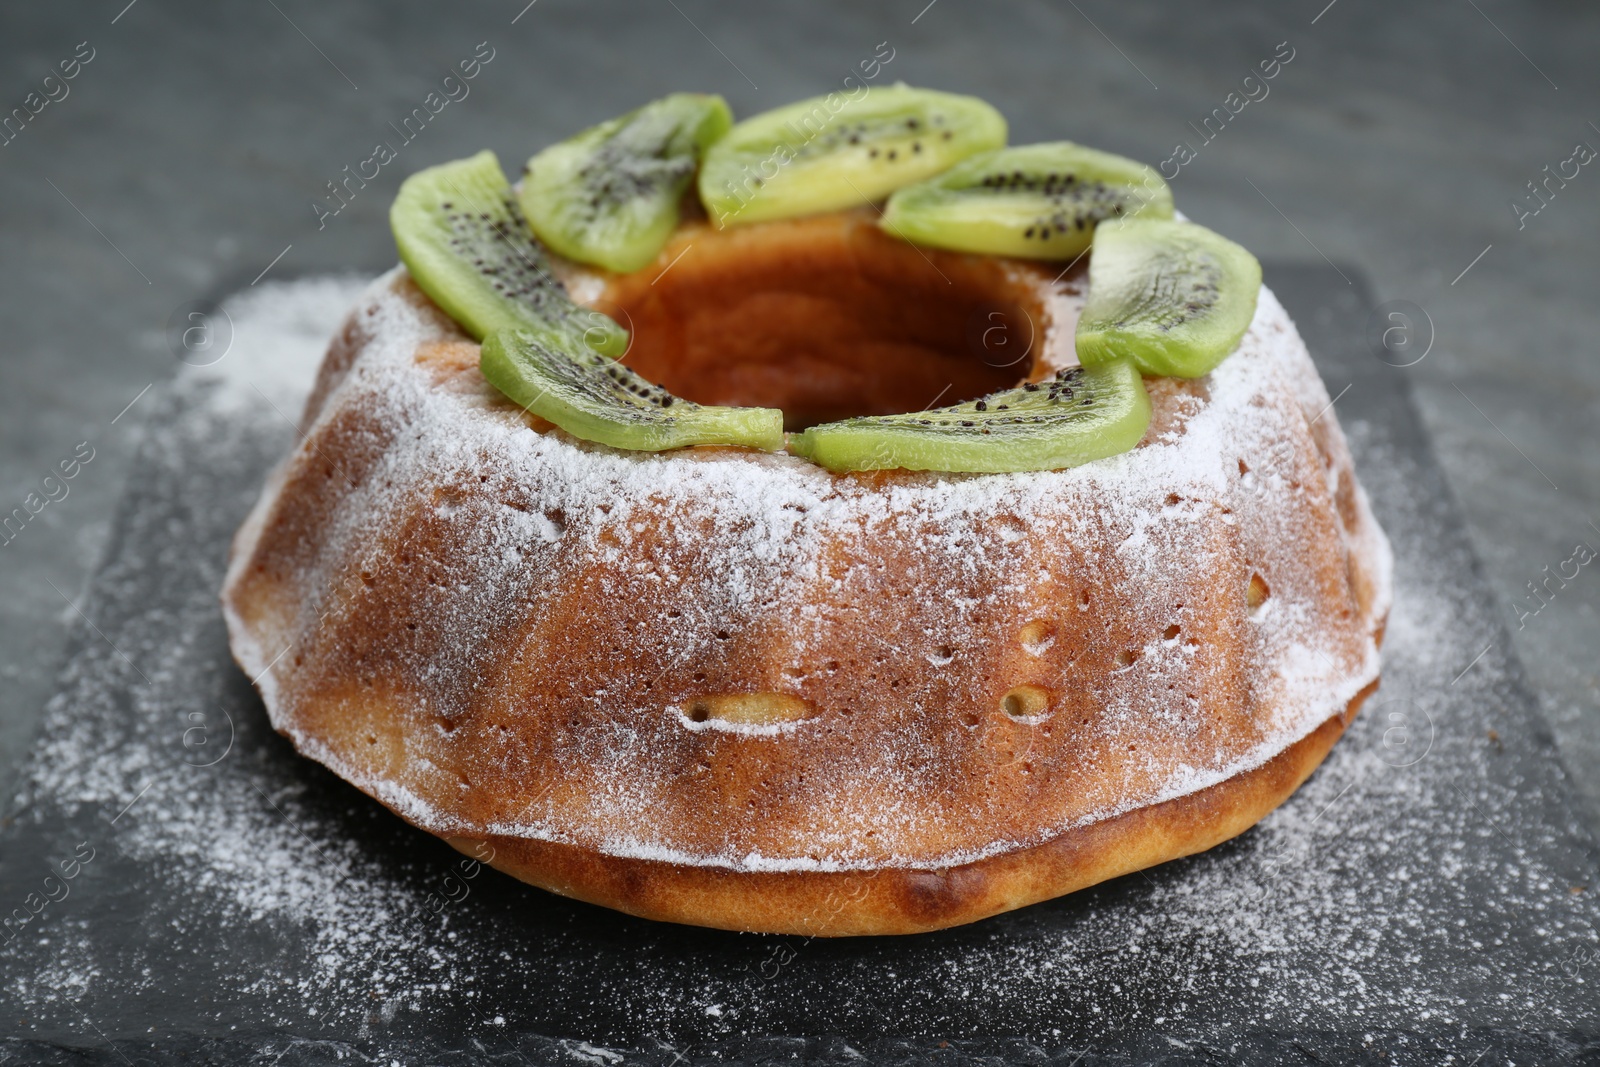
(897, 900)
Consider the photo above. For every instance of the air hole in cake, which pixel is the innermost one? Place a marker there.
(1010, 528)
(1243, 468)
(747, 709)
(1170, 633)
(941, 655)
(1037, 636)
(1025, 702)
(826, 322)
(1126, 657)
(1257, 592)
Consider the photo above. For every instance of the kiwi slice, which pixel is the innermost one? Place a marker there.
(598, 399)
(1171, 296)
(1037, 200)
(1080, 414)
(465, 242)
(833, 152)
(609, 196)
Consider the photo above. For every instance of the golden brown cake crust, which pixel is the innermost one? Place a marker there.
(904, 901)
(732, 689)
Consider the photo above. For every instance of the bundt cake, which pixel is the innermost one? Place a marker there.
(662, 664)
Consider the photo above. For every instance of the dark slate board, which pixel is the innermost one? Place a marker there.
(1428, 897)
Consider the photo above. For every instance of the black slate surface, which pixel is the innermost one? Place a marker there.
(1428, 897)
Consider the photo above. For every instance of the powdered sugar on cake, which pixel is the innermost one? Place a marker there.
(552, 511)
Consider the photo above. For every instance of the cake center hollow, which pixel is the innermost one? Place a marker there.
(826, 318)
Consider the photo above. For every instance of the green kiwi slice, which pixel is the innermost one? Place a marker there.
(598, 399)
(1171, 296)
(1081, 414)
(838, 151)
(609, 196)
(1037, 200)
(463, 238)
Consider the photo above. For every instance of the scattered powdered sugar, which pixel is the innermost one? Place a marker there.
(279, 333)
(1425, 880)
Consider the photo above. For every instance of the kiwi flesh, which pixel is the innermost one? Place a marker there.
(1079, 414)
(1040, 201)
(610, 195)
(833, 152)
(463, 238)
(598, 399)
(1172, 297)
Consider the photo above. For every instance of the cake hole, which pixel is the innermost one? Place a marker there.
(1171, 633)
(1083, 600)
(827, 318)
(1010, 528)
(1173, 499)
(971, 719)
(1243, 468)
(748, 709)
(1257, 592)
(1037, 636)
(941, 655)
(1025, 701)
(1126, 657)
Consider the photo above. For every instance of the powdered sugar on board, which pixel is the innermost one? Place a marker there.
(279, 335)
(1423, 881)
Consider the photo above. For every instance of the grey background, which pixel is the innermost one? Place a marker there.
(190, 149)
